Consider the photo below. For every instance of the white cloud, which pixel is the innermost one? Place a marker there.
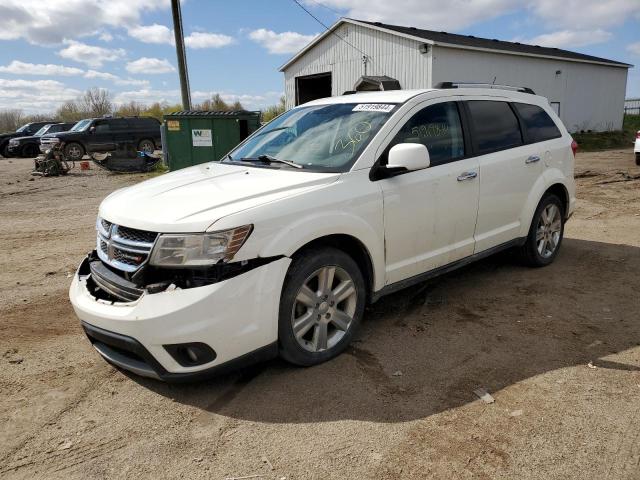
(17, 67)
(105, 36)
(161, 34)
(585, 14)
(207, 40)
(150, 66)
(634, 48)
(34, 96)
(570, 38)
(90, 54)
(91, 74)
(50, 22)
(285, 42)
(152, 34)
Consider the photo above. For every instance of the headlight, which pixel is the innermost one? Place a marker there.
(13, 142)
(198, 249)
(53, 140)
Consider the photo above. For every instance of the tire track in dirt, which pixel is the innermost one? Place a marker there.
(12, 462)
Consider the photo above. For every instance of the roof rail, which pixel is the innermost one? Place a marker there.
(483, 85)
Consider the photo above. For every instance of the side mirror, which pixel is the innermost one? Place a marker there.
(408, 156)
(92, 129)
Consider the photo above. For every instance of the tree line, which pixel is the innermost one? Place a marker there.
(97, 102)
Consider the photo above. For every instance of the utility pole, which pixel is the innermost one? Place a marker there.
(182, 56)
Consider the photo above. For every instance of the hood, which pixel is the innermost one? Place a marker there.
(6, 135)
(25, 139)
(64, 135)
(192, 199)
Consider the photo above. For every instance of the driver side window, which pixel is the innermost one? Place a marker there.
(438, 128)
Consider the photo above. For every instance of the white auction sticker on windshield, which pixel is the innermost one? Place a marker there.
(373, 107)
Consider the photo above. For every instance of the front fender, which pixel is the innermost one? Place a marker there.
(321, 224)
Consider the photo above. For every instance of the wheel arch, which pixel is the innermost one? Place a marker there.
(553, 181)
(352, 247)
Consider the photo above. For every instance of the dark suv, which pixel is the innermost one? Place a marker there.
(108, 134)
(27, 129)
(29, 146)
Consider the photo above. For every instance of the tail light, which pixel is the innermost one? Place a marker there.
(574, 146)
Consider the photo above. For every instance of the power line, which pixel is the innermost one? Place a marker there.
(326, 6)
(328, 29)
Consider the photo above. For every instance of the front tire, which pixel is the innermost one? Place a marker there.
(4, 150)
(30, 150)
(74, 152)
(321, 306)
(545, 234)
(637, 158)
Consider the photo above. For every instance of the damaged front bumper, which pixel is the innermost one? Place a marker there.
(141, 330)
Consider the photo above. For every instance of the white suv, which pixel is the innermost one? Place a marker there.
(278, 247)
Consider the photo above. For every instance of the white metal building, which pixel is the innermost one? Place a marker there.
(588, 92)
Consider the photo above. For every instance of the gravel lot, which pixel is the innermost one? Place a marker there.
(558, 348)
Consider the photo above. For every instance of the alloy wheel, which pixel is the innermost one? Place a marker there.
(323, 309)
(548, 230)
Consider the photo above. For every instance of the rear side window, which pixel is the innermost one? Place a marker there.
(537, 125)
(495, 126)
(438, 128)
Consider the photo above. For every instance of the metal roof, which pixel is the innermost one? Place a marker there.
(466, 42)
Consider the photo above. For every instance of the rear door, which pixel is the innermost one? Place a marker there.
(508, 170)
(430, 214)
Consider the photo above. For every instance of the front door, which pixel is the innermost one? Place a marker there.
(430, 215)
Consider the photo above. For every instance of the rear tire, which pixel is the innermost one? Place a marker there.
(545, 234)
(637, 158)
(146, 146)
(74, 152)
(321, 306)
(4, 150)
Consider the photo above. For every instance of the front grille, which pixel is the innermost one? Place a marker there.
(124, 248)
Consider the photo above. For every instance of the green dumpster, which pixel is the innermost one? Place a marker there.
(197, 137)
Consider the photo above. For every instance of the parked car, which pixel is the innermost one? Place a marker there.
(278, 247)
(636, 149)
(29, 146)
(25, 130)
(104, 135)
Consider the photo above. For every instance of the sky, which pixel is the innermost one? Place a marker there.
(52, 51)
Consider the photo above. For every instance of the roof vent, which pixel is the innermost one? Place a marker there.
(370, 83)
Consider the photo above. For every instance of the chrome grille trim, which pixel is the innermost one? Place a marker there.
(116, 247)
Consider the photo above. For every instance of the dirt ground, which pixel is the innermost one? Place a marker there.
(558, 348)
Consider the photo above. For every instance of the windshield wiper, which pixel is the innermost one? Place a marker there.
(272, 130)
(270, 159)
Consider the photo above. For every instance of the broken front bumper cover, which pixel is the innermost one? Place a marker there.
(237, 318)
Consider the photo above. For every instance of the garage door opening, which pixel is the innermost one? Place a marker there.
(312, 87)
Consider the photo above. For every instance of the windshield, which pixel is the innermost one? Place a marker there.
(42, 131)
(322, 137)
(81, 126)
(23, 128)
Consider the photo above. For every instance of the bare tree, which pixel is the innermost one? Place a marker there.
(10, 120)
(131, 109)
(97, 102)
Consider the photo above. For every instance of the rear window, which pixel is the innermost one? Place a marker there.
(538, 126)
(495, 126)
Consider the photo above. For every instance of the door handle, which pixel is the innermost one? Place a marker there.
(467, 176)
(532, 159)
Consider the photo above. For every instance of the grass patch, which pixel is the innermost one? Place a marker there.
(593, 141)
